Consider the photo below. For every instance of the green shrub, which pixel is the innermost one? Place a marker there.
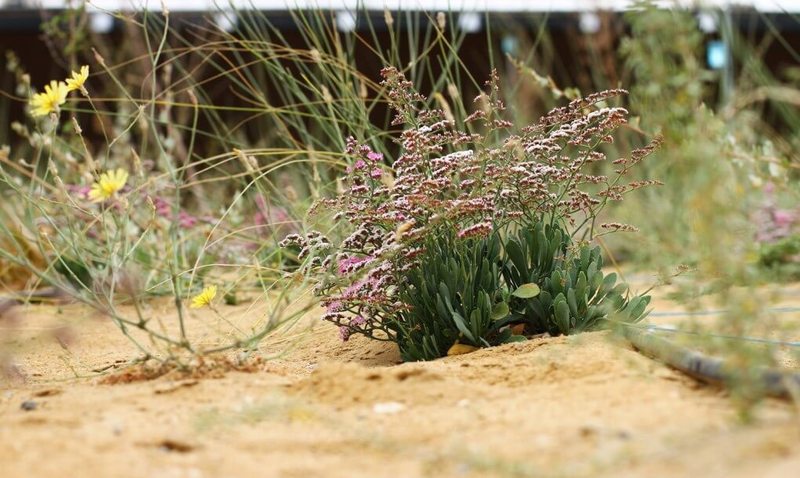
(575, 295)
(414, 268)
(453, 295)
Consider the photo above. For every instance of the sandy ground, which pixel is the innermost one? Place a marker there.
(580, 406)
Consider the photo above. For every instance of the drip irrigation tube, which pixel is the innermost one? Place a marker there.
(744, 338)
(702, 313)
(774, 382)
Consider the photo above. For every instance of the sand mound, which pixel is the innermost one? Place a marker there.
(569, 406)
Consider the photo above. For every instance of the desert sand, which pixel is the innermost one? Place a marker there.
(310, 405)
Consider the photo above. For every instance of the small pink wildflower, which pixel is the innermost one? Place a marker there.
(81, 192)
(335, 306)
(783, 217)
(186, 220)
(480, 229)
(344, 333)
(375, 157)
(164, 209)
(352, 264)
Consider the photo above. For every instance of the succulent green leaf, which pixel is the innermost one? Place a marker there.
(500, 311)
(572, 302)
(515, 338)
(517, 257)
(526, 291)
(562, 314)
(461, 325)
(608, 283)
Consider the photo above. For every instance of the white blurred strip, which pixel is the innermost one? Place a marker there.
(764, 6)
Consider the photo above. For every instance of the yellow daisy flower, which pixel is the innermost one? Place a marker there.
(204, 298)
(55, 94)
(109, 183)
(76, 81)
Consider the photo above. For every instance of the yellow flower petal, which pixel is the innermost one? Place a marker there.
(109, 183)
(204, 298)
(76, 81)
(54, 95)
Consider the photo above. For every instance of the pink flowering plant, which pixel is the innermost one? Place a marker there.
(480, 232)
(778, 235)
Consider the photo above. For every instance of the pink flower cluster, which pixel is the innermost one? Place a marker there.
(162, 206)
(164, 209)
(775, 223)
(449, 179)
